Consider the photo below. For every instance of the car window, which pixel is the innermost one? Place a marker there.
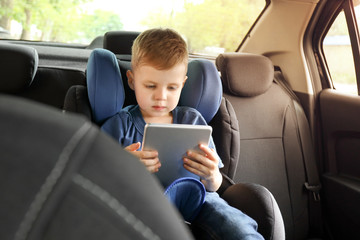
(339, 52)
(339, 57)
(201, 22)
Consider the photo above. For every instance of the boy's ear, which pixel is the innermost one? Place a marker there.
(130, 77)
(186, 77)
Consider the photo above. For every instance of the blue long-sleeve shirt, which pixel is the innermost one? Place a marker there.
(127, 126)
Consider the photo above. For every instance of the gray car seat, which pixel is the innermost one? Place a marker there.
(18, 67)
(61, 178)
(22, 76)
(276, 146)
(120, 42)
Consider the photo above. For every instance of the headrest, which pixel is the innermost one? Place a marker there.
(245, 74)
(203, 89)
(119, 42)
(18, 65)
(104, 84)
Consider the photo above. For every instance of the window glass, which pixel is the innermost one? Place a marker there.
(339, 57)
(209, 26)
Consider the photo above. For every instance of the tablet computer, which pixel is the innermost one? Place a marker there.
(172, 141)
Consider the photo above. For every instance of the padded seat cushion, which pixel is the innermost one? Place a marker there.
(235, 69)
(104, 83)
(119, 42)
(18, 65)
(203, 89)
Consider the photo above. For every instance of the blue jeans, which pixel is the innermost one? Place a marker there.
(210, 216)
(218, 220)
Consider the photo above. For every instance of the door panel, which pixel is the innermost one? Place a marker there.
(340, 127)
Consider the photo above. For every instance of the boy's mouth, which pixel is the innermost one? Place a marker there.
(159, 108)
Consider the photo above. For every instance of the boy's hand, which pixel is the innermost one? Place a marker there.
(205, 165)
(148, 158)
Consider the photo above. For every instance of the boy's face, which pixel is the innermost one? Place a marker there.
(157, 91)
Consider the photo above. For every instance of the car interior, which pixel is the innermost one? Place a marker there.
(288, 137)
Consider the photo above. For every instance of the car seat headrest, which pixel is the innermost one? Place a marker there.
(203, 89)
(245, 74)
(18, 65)
(119, 42)
(104, 84)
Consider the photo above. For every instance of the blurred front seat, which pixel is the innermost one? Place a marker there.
(61, 178)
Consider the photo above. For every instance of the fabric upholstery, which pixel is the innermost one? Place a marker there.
(235, 71)
(203, 89)
(119, 42)
(271, 156)
(226, 137)
(50, 85)
(130, 98)
(76, 100)
(21, 76)
(18, 65)
(267, 214)
(104, 84)
(61, 178)
(271, 153)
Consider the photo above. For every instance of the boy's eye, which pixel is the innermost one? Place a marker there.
(150, 86)
(173, 87)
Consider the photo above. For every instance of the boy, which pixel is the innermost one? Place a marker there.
(159, 66)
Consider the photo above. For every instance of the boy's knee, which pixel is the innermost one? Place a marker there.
(188, 195)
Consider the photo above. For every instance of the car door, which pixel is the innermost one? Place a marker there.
(336, 52)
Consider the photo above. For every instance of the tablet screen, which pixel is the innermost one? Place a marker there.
(172, 141)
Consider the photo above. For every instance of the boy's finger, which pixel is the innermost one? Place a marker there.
(133, 147)
(150, 162)
(201, 163)
(149, 154)
(205, 160)
(154, 168)
(211, 153)
(193, 167)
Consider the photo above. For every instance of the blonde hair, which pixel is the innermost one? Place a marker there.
(160, 48)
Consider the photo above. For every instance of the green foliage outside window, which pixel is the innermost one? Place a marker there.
(207, 25)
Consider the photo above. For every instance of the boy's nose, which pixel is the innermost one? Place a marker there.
(160, 94)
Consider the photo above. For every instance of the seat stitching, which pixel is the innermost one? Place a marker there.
(49, 184)
(115, 205)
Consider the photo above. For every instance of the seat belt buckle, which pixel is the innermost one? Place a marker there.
(315, 189)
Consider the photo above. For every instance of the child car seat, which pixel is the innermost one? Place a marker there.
(202, 91)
